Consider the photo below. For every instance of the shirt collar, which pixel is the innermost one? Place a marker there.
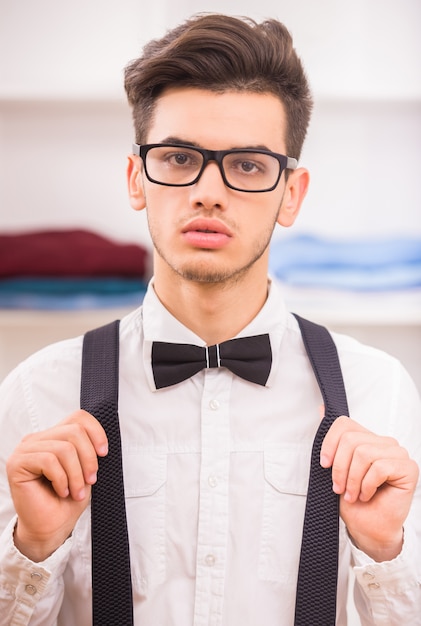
(160, 325)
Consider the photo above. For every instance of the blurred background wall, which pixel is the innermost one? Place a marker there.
(65, 131)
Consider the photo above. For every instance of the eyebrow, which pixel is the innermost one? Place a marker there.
(179, 141)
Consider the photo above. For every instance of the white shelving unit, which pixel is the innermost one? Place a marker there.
(388, 321)
(65, 130)
(24, 332)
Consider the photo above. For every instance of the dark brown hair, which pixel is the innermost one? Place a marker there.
(222, 53)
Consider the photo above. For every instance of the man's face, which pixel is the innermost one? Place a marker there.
(208, 232)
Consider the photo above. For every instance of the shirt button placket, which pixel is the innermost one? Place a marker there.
(213, 508)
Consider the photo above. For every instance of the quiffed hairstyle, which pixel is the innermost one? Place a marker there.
(222, 53)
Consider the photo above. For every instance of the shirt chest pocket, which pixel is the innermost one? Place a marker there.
(286, 471)
(145, 477)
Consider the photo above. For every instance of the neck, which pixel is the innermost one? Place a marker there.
(215, 312)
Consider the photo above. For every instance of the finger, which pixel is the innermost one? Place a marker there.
(56, 461)
(361, 480)
(28, 467)
(86, 422)
(355, 452)
(72, 444)
(84, 432)
(398, 472)
(74, 450)
(331, 441)
(343, 430)
(93, 428)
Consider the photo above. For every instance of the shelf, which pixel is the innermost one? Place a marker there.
(47, 319)
(24, 332)
(400, 308)
(345, 308)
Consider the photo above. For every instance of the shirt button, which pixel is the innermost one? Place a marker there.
(368, 575)
(210, 560)
(31, 590)
(36, 576)
(213, 481)
(214, 405)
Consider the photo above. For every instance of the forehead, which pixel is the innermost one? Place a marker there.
(219, 120)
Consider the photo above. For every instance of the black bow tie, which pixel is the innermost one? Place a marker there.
(247, 357)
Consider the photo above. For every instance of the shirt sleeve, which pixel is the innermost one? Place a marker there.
(30, 593)
(389, 593)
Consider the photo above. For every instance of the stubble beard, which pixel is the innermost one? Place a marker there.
(204, 271)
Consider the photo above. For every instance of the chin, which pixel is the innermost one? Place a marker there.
(207, 275)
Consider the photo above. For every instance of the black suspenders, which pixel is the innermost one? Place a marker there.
(112, 601)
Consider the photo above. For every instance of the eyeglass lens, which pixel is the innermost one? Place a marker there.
(250, 171)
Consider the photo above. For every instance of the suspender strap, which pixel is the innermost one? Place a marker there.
(112, 601)
(318, 569)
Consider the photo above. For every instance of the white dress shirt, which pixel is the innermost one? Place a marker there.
(216, 472)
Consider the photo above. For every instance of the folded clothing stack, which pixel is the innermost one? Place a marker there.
(359, 265)
(69, 269)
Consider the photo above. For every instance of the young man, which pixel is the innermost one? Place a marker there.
(215, 466)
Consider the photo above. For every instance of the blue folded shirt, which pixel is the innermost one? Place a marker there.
(377, 264)
(70, 293)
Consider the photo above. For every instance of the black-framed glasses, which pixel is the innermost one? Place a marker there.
(179, 165)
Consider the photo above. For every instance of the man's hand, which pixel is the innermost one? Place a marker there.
(50, 475)
(376, 480)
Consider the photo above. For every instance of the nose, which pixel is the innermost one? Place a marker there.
(210, 190)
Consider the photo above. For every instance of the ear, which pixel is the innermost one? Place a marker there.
(135, 183)
(294, 194)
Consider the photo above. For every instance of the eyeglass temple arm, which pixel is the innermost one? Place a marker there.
(136, 149)
(292, 163)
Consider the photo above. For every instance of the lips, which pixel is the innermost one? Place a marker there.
(206, 233)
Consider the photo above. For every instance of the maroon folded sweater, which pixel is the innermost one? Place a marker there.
(76, 253)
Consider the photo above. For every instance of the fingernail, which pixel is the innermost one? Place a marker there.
(92, 478)
(103, 450)
(324, 461)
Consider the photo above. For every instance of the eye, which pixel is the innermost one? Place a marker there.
(246, 166)
(181, 159)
